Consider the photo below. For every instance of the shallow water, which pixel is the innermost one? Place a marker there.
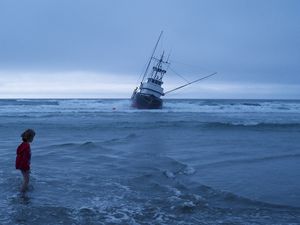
(194, 162)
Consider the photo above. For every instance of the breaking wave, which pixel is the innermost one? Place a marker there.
(251, 124)
(40, 106)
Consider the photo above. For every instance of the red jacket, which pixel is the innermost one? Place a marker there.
(23, 156)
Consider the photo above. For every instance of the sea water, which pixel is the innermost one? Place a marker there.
(98, 161)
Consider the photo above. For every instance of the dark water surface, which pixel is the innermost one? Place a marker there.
(194, 162)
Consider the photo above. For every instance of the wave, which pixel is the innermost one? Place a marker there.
(224, 199)
(233, 106)
(72, 145)
(249, 160)
(28, 102)
(121, 139)
(173, 175)
(204, 203)
(90, 144)
(252, 104)
(251, 124)
(184, 170)
(124, 106)
(144, 125)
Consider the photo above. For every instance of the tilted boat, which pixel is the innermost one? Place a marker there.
(148, 94)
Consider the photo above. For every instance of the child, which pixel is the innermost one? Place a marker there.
(24, 156)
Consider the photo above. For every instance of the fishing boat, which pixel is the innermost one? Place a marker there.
(148, 94)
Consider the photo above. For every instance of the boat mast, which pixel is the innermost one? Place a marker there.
(146, 71)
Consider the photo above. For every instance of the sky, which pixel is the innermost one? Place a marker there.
(99, 48)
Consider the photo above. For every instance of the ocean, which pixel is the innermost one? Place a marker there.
(98, 161)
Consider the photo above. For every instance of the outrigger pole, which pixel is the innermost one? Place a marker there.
(152, 55)
(190, 83)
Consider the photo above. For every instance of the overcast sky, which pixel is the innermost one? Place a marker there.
(94, 48)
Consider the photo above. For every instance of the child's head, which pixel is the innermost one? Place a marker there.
(28, 135)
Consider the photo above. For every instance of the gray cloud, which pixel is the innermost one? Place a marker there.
(245, 41)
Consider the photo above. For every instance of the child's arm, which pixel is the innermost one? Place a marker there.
(26, 158)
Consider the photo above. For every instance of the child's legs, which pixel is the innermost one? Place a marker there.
(26, 179)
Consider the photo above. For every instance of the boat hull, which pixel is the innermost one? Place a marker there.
(142, 101)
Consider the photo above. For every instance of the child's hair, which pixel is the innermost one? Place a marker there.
(28, 135)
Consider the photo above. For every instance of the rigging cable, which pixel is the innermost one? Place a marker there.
(178, 74)
(202, 78)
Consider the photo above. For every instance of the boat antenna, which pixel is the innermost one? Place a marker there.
(202, 78)
(167, 61)
(169, 56)
(152, 55)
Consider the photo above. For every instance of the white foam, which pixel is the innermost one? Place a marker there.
(169, 174)
(124, 105)
(175, 191)
(189, 204)
(189, 170)
(232, 107)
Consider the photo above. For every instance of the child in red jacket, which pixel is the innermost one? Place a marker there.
(24, 156)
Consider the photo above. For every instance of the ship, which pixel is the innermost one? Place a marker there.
(148, 94)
